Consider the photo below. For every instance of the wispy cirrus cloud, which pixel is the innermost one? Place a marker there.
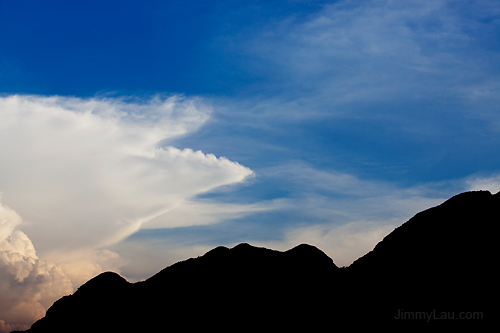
(419, 66)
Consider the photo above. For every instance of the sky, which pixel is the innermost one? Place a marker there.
(135, 134)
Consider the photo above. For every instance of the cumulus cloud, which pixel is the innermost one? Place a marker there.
(85, 174)
(28, 285)
(89, 172)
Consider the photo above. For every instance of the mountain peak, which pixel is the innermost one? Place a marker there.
(449, 228)
(103, 282)
(216, 251)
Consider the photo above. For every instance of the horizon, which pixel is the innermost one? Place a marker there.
(136, 135)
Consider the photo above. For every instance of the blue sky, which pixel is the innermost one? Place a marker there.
(136, 134)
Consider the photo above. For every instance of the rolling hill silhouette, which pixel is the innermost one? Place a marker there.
(437, 265)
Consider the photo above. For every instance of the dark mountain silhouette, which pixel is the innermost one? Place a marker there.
(439, 263)
(442, 259)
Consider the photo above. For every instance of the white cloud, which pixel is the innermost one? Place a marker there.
(85, 173)
(28, 285)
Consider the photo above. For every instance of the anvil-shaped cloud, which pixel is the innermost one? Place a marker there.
(84, 174)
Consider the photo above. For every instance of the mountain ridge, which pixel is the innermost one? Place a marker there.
(421, 266)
